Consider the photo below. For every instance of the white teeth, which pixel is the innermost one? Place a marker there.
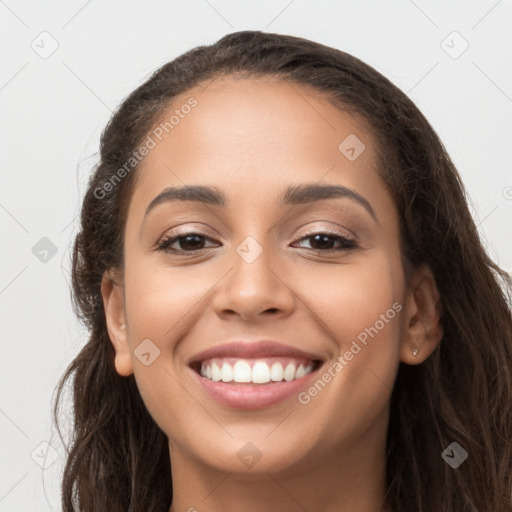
(260, 373)
(289, 372)
(242, 372)
(276, 372)
(216, 373)
(227, 372)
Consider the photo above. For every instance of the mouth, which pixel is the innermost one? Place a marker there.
(255, 371)
(253, 375)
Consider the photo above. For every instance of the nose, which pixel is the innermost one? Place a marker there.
(254, 286)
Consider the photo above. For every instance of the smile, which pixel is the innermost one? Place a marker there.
(242, 375)
(255, 371)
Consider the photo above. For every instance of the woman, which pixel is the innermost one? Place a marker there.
(288, 302)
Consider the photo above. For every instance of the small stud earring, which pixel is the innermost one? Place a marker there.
(415, 351)
(123, 326)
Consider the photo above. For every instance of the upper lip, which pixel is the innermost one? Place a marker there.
(255, 349)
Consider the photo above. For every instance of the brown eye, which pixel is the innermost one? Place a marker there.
(323, 242)
(195, 242)
(187, 242)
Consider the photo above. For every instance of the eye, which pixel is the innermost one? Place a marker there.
(194, 242)
(324, 241)
(190, 242)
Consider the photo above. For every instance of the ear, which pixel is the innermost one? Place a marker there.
(422, 329)
(112, 293)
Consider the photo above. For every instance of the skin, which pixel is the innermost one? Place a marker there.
(252, 138)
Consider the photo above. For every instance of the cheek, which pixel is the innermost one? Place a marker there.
(348, 299)
(162, 305)
(359, 307)
(161, 301)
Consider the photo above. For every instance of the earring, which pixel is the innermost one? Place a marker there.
(415, 351)
(123, 326)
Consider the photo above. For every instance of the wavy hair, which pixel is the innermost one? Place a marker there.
(118, 459)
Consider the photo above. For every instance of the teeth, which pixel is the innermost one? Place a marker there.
(216, 373)
(289, 372)
(260, 373)
(276, 372)
(242, 371)
(227, 372)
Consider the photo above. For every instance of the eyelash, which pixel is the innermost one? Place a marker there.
(165, 243)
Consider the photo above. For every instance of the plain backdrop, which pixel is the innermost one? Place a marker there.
(67, 65)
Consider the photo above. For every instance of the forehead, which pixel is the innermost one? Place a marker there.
(252, 137)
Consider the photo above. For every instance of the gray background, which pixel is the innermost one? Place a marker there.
(53, 107)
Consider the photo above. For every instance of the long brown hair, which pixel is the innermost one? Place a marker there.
(118, 457)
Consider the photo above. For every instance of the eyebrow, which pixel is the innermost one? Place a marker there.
(293, 195)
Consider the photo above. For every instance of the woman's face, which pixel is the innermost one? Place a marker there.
(260, 273)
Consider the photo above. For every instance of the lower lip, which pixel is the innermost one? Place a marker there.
(252, 396)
